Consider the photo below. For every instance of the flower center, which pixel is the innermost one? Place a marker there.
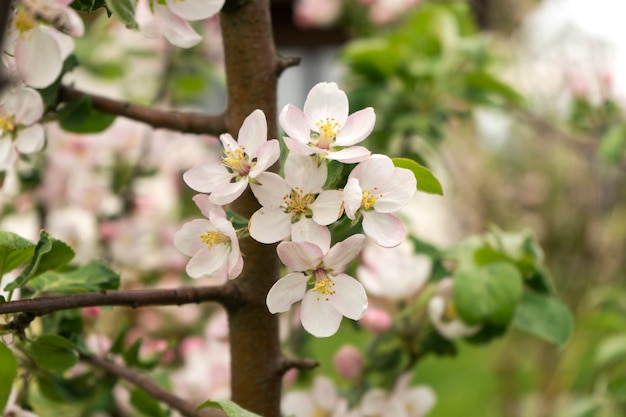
(24, 21)
(297, 203)
(369, 199)
(7, 123)
(328, 129)
(450, 312)
(323, 285)
(237, 161)
(212, 238)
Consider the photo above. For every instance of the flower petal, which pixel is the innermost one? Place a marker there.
(206, 177)
(195, 9)
(30, 139)
(299, 256)
(187, 238)
(271, 189)
(327, 207)
(352, 197)
(358, 126)
(349, 298)
(228, 192)
(305, 173)
(38, 58)
(209, 263)
(398, 192)
(204, 204)
(326, 100)
(384, 228)
(27, 106)
(306, 230)
(7, 153)
(318, 315)
(351, 155)
(286, 291)
(175, 29)
(377, 171)
(269, 225)
(253, 133)
(295, 124)
(267, 154)
(343, 252)
(299, 148)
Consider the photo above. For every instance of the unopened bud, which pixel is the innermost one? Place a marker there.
(348, 362)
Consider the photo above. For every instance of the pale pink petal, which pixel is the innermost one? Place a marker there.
(306, 230)
(27, 106)
(352, 197)
(343, 252)
(206, 177)
(271, 190)
(358, 126)
(38, 58)
(384, 228)
(30, 139)
(195, 9)
(226, 193)
(208, 263)
(187, 238)
(295, 124)
(74, 22)
(204, 204)
(299, 256)
(349, 299)
(7, 153)
(420, 400)
(305, 173)
(327, 207)
(268, 153)
(297, 147)
(374, 402)
(253, 132)
(286, 291)
(297, 404)
(65, 42)
(318, 315)
(351, 155)
(228, 142)
(175, 29)
(269, 225)
(324, 393)
(376, 171)
(148, 25)
(235, 264)
(398, 192)
(326, 100)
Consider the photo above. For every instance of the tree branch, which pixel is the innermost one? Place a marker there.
(5, 10)
(185, 122)
(227, 294)
(286, 364)
(154, 390)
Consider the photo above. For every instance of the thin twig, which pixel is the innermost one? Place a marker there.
(185, 122)
(153, 389)
(226, 294)
(286, 364)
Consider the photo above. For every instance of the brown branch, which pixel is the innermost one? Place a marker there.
(286, 364)
(5, 10)
(227, 294)
(284, 62)
(185, 122)
(153, 389)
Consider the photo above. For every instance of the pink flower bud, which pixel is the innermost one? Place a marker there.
(376, 320)
(348, 362)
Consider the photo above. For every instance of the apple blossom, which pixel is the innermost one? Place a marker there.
(327, 294)
(443, 315)
(323, 400)
(295, 206)
(324, 128)
(403, 401)
(20, 131)
(212, 243)
(241, 161)
(375, 189)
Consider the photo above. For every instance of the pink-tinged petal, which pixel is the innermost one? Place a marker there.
(295, 124)
(297, 403)
(65, 42)
(235, 263)
(228, 142)
(299, 148)
(195, 9)
(398, 192)
(271, 190)
(324, 393)
(74, 22)
(253, 132)
(326, 100)
(30, 139)
(351, 155)
(299, 256)
(376, 171)
(349, 299)
(27, 106)
(375, 402)
(38, 58)
(286, 291)
(209, 263)
(207, 177)
(384, 228)
(343, 252)
(358, 126)
(187, 238)
(306, 230)
(327, 207)
(267, 154)
(148, 25)
(318, 315)
(175, 29)
(226, 193)
(7, 154)
(270, 225)
(420, 400)
(204, 204)
(352, 197)
(305, 173)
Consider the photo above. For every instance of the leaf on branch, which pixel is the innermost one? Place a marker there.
(426, 181)
(230, 408)
(89, 5)
(50, 253)
(79, 116)
(124, 10)
(91, 277)
(8, 372)
(53, 353)
(146, 404)
(14, 251)
(50, 94)
(545, 317)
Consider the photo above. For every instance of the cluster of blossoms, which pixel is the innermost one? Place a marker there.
(299, 209)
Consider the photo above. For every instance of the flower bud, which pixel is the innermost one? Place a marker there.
(348, 362)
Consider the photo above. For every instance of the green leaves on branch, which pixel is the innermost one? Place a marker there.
(53, 353)
(124, 11)
(79, 116)
(426, 181)
(230, 408)
(14, 251)
(88, 5)
(91, 277)
(545, 317)
(8, 373)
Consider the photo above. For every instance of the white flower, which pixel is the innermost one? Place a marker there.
(443, 315)
(19, 130)
(375, 189)
(323, 400)
(294, 206)
(240, 161)
(324, 127)
(402, 402)
(327, 294)
(212, 243)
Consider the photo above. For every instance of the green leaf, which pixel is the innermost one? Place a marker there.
(231, 409)
(91, 277)
(79, 116)
(487, 294)
(88, 5)
(124, 10)
(482, 87)
(8, 373)
(53, 353)
(426, 181)
(545, 317)
(613, 144)
(611, 350)
(50, 94)
(146, 404)
(14, 251)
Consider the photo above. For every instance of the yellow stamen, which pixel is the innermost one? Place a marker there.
(236, 161)
(297, 203)
(24, 21)
(7, 123)
(328, 129)
(324, 287)
(450, 312)
(369, 199)
(211, 238)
